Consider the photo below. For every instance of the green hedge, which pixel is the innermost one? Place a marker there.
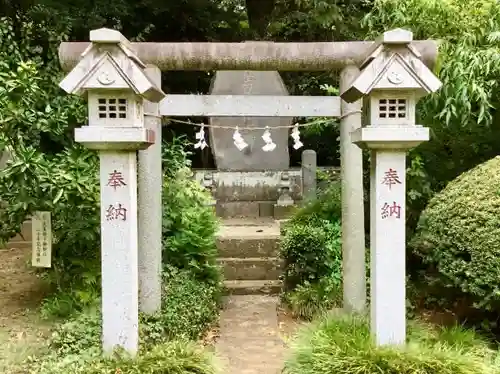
(458, 238)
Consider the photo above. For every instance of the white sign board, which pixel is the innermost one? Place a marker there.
(41, 230)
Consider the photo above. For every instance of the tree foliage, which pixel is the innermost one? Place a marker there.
(462, 115)
(46, 170)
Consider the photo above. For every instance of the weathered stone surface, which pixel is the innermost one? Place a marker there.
(309, 164)
(283, 211)
(249, 209)
(256, 185)
(255, 287)
(259, 56)
(227, 156)
(250, 341)
(249, 241)
(353, 229)
(150, 181)
(265, 268)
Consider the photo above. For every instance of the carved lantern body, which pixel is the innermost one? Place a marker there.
(115, 83)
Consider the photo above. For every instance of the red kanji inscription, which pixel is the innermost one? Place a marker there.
(390, 178)
(113, 213)
(393, 210)
(116, 179)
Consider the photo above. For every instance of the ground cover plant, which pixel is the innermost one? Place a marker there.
(343, 345)
(168, 339)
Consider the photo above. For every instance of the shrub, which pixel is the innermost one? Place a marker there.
(189, 307)
(79, 334)
(343, 345)
(311, 248)
(311, 252)
(189, 227)
(328, 206)
(47, 170)
(457, 238)
(174, 357)
(308, 300)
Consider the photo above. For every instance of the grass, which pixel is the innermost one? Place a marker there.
(173, 357)
(343, 345)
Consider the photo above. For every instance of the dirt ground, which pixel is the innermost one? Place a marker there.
(21, 291)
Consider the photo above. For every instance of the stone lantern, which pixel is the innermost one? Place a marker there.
(392, 80)
(115, 84)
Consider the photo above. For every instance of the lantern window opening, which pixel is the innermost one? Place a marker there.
(392, 108)
(113, 108)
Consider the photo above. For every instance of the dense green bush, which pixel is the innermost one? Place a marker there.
(343, 345)
(188, 308)
(457, 238)
(311, 252)
(311, 249)
(47, 171)
(189, 227)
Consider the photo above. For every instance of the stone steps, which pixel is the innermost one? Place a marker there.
(249, 255)
(252, 268)
(255, 287)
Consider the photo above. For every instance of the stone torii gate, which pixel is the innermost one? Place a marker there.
(348, 57)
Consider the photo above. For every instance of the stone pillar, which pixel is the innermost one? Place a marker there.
(118, 180)
(387, 237)
(150, 208)
(353, 231)
(309, 164)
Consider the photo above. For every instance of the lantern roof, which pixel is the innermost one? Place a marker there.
(392, 64)
(109, 62)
